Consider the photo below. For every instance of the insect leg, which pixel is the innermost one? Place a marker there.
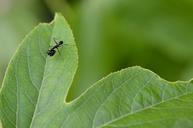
(55, 41)
(58, 51)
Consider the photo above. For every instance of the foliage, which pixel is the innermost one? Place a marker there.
(115, 34)
(110, 34)
(35, 89)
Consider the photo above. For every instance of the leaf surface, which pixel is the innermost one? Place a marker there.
(36, 84)
(35, 88)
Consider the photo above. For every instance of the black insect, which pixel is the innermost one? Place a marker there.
(52, 50)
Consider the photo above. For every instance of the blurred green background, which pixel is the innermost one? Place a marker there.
(110, 34)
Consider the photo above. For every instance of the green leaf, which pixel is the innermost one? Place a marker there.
(36, 83)
(36, 86)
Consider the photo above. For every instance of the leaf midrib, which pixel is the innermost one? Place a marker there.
(33, 117)
(146, 108)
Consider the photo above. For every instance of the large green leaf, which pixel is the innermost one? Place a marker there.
(36, 86)
(34, 82)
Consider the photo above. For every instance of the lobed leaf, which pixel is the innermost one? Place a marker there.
(35, 88)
